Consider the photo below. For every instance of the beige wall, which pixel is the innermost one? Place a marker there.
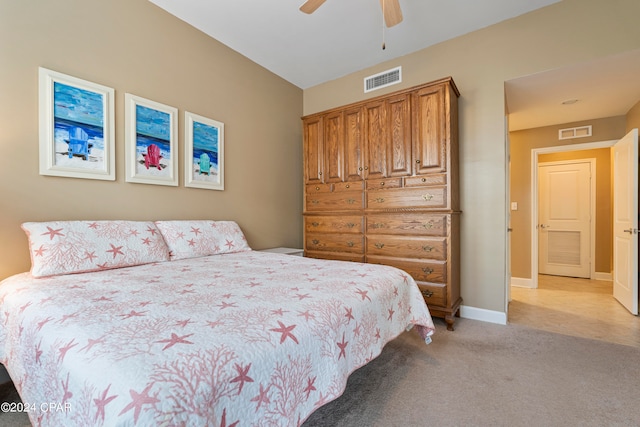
(135, 47)
(566, 33)
(633, 117)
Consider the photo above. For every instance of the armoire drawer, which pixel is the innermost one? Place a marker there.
(332, 242)
(433, 248)
(434, 294)
(421, 270)
(343, 200)
(334, 223)
(428, 179)
(413, 224)
(415, 197)
(335, 256)
(318, 188)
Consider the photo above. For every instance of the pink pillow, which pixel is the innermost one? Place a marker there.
(62, 247)
(190, 239)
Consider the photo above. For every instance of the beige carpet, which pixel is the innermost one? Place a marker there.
(482, 375)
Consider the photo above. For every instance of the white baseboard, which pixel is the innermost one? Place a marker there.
(483, 315)
(522, 282)
(603, 276)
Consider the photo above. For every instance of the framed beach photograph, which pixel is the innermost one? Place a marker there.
(204, 152)
(151, 141)
(77, 133)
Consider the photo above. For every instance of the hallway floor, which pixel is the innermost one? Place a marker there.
(578, 307)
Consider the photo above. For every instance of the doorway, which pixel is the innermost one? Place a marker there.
(601, 237)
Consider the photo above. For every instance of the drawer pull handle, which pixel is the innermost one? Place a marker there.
(428, 225)
(350, 244)
(347, 186)
(315, 202)
(350, 225)
(360, 168)
(376, 225)
(382, 183)
(427, 196)
(427, 270)
(380, 199)
(379, 245)
(426, 293)
(320, 173)
(427, 248)
(317, 188)
(315, 241)
(315, 224)
(418, 161)
(351, 201)
(366, 168)
(424, 179)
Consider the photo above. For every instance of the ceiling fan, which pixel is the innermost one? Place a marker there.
(390, 10)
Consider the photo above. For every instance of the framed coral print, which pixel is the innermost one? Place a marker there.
(77, 131)
(204, 152)
(151, 142)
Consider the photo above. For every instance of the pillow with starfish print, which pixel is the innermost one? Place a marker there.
(196, 238)
(63, 247)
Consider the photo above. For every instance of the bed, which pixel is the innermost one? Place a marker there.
(181, 323)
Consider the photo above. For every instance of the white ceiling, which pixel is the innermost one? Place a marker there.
(607, 87)
(345, 36)
(342, 36)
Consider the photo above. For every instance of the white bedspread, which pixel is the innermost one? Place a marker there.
(242, 339)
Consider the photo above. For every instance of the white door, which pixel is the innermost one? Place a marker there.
(625, 221)
(564, 215)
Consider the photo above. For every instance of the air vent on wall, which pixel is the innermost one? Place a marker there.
(384, 79)
(577, 132)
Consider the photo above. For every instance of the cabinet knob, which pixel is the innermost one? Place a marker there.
(426, 293)
(428, 225)
(418, 161)
(427, 248)
(317, 188)
(427, 270)
(350, 225)
(424, 180)
(366, 168)
(351, 201)
(319, 173)
(315, 241)
(379, 245)
(382, 183)
(315, 224)
(347, 186)
(380, 199)
(360, 168)
(427, 197)
(350, 244)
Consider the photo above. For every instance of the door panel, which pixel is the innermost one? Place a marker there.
(564, 230)
(625, 221)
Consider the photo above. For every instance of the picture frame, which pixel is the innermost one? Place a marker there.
(151, 142)
(204, 152)
(76, 127)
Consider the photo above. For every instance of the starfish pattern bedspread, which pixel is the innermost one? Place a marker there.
(241, 339)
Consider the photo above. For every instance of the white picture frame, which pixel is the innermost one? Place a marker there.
(204, 152)
(76, 127)
(151, 142)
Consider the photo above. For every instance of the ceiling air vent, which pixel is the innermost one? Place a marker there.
(577, 132)
(384, 79)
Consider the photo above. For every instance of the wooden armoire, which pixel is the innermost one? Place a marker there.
(381, 186)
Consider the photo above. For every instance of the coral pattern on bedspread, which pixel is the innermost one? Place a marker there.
(241, 339)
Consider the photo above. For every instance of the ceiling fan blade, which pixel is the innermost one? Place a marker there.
(391, 11)
(310, 6)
